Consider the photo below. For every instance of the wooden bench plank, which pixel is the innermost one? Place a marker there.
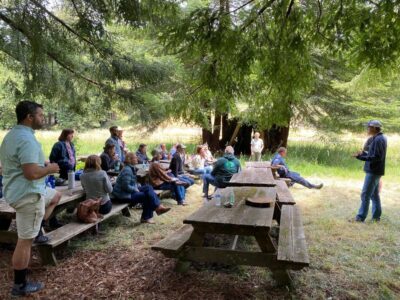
(72, 229)
(283, 194)
(292, 246)
(174, 242)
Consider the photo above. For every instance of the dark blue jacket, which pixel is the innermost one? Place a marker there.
(375, 156)
(59, 155)
(126, 183)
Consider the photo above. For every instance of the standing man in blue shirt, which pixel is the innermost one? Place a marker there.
(283, 170)
(114, 140)
(374, 168)
(24, 172)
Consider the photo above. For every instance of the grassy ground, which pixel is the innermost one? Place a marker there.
(348, 261)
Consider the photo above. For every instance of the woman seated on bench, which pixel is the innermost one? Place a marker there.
(198, 162)
(160, 179)
(127, 190)
(96, 183)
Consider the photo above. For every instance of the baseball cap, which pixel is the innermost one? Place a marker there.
(374, 123)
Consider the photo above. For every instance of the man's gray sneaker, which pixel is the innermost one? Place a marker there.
(27, 288)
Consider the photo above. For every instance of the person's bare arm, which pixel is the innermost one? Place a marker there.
(34, 171)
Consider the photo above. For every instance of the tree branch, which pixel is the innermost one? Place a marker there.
(62, 64)
(240, 7)
(69, 28)
(259, 13)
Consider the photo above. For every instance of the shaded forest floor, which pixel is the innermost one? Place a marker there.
(348, 261)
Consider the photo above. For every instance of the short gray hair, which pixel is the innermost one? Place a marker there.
(281, 149)
(230, 150)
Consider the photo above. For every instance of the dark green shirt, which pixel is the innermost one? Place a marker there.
(224, 169)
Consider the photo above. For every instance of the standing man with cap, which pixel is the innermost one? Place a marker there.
(24, 171)
(374, 168)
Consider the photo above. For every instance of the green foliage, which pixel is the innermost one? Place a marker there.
(284, 60)
(73, 56)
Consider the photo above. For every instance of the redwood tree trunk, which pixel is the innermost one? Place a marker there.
(242, 146)
(275, 137)
(212, 137)
(228, 128)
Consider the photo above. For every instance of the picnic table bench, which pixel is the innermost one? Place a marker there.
(289, 252)
(61, 235)
(65, 233)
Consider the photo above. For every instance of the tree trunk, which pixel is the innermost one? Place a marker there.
(212, 138)
(275, 137)
(228, 128)
(242, 146)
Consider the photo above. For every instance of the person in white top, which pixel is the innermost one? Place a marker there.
(198, 162)
(210, 160)
(257, 145)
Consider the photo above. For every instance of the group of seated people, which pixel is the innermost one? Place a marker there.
(174, 178)
(117, 157)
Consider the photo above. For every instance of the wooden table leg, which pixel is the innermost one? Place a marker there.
(281, 276)
(195, 240)
(47, 255)
(267, 244)
(277, 213)
(5, 223)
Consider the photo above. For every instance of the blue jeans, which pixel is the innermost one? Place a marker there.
(207, 180)
(184, 178)
(369, 192)
(295, 177)
(203, 171)
(147, 198)
(178, 191)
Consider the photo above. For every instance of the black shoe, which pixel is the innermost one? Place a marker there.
(319, 186)
(355, 220)
(27, 288)
(41, 239)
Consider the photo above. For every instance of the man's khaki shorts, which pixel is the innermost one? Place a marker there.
(30, 212)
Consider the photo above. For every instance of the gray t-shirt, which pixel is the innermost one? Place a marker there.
(96, 185)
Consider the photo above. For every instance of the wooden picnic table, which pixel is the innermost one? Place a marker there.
(58, 237)
(289, 251)
(253, 177)
(257, 164)
(69, 197)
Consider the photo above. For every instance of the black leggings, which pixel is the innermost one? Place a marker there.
(105, 208)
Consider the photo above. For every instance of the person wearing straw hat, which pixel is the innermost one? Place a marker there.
(374, 168)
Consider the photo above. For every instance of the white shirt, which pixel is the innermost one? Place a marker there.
(257, 145)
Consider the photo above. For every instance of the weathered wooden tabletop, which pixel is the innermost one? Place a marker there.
(240, 218)
(253, 177)
(257, 164)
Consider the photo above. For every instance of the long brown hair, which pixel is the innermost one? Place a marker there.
(64, 134)
(93, 162)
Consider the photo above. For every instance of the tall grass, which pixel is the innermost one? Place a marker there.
(311, 155)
